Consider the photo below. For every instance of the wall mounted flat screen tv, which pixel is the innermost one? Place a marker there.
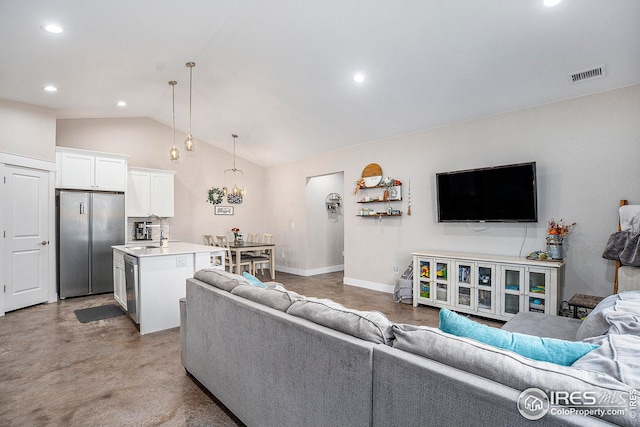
(497, 194)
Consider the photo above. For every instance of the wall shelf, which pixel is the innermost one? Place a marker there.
(394, 195)
(379, 201)
(378, 214)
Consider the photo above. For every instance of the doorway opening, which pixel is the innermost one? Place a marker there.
(325, 224)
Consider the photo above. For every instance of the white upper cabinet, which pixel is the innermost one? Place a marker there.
(90, 170)
(150, 191)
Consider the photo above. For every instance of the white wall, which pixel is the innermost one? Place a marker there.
(148, 142)
(27, 130)
(587, 152)
(325, 238)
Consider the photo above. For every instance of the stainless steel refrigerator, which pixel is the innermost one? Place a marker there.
(88, 224)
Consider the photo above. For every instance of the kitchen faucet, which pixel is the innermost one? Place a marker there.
(164, 242)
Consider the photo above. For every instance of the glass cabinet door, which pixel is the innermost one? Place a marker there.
(463, 295)
(425, 278)
(485, 288)
(442, 282)
(512, 289)
(538, 281)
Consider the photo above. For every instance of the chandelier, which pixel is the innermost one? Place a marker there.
(174, 153)
(236, 191)
(188, 143)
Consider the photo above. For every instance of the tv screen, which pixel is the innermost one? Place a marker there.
(496, 194)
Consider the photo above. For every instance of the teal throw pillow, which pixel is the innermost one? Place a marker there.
(551, 350)
(253, 280)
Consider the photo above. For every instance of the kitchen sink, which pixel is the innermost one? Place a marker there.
(137, 248)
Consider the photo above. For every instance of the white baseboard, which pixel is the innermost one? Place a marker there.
(311, 272)
(382, 287)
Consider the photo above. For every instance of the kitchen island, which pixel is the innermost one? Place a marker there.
(151, 289)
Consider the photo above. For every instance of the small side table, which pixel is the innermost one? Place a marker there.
(583, 301)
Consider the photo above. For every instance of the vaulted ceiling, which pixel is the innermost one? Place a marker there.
(279, 73)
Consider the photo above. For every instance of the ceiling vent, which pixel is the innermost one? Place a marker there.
(593, 73)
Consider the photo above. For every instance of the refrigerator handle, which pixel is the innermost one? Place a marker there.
(81, 208)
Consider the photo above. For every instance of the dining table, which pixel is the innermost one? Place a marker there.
(240, 247)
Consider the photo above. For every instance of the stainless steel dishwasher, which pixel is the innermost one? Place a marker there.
(133, 289)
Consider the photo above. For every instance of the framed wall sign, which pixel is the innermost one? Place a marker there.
(224, 210)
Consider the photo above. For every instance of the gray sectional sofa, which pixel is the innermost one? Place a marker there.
(276, 358)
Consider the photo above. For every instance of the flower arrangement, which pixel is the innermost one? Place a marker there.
(236, 232)
(560, 228)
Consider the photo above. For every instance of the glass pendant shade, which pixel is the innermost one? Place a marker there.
(174, 153)
(188, 143)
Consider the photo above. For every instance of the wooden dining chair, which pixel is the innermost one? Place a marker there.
(221, 241)
(259, 260)
(208, 240)
(253, 238)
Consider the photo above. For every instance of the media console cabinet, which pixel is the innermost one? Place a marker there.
(492, 286)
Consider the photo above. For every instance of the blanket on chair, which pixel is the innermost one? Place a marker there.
(623, 246)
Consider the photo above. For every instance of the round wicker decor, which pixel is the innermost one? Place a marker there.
(372, 175)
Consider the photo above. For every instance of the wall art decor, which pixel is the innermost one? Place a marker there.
(224, 210)
(215, 196)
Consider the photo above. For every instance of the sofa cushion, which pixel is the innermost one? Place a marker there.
(280, 299)
(505, 367)
(551, 350)
(596, 323)
(220, 279)
(367, 325)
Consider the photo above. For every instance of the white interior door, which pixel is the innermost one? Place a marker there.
(27, 247)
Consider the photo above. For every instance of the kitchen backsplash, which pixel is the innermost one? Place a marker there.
(155, 232)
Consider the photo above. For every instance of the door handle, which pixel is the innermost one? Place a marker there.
(44, 242)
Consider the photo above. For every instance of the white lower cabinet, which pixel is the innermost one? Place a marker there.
(497, 287)
(119, 281)
(162, 276)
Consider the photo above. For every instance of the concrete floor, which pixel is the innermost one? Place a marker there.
(56, 371)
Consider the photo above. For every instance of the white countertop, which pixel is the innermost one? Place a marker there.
(147, 249)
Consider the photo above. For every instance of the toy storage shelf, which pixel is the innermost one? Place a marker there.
(493, 286)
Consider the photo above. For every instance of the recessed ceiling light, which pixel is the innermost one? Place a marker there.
(550, 3)
(359, 78)
(53, 28)
(121, 103)
(50, 88)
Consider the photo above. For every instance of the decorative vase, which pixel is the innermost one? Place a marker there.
(554, 246)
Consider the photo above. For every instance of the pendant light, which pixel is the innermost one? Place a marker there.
(188, 143)
(236, 191)
(174, 153)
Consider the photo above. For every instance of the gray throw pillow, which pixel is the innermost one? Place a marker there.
(279, 299)
(371, 326)
(220, 279)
